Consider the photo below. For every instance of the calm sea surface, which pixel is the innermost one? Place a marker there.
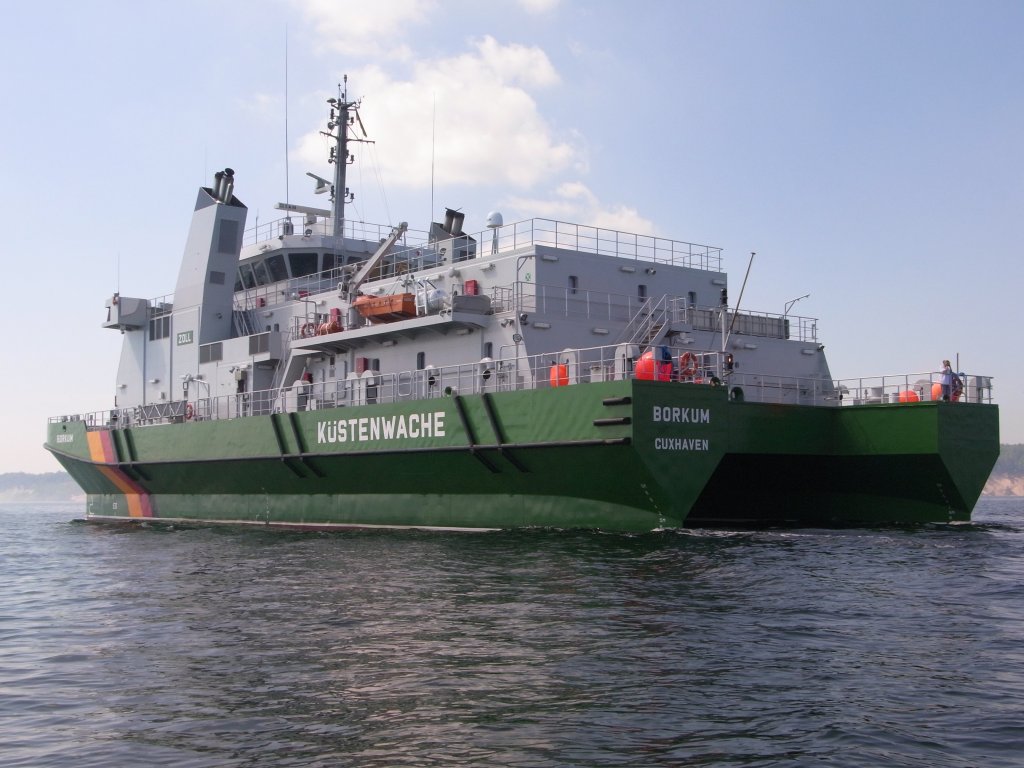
(218, 647)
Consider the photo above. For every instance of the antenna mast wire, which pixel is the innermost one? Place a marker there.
(287, 174)
(739, 301)
(433, 133)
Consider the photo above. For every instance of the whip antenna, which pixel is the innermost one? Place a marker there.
(287, 174)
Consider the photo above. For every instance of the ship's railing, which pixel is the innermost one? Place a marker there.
(913, 388)
(415, 253)
(606, 242)
(285, 292)
(552, 300)
(512, 237)
(764, 324)
(597, 306)
(618, 307)
(299, 224)
(874, 390)
(509, 373)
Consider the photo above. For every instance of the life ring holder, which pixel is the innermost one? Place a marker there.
(687, 364)
(190, 412)
(308, 330)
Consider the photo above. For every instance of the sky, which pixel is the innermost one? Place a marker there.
(870, 153)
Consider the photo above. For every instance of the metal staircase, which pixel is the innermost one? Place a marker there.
(648, 324)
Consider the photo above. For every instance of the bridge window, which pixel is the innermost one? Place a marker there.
(276, 267)
(302, 263)
(244, 278)
(260, 270)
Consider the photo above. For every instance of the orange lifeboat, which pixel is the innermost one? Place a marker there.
(397, 306)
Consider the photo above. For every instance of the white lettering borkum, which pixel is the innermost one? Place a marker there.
(672, 414)
(398, 427)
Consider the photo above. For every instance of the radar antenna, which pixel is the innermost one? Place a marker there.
(343, 114)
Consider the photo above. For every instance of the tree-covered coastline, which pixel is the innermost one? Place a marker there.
(1011, 461)
(46, 486)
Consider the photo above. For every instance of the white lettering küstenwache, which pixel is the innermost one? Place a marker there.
(673, 414)
(367, 428)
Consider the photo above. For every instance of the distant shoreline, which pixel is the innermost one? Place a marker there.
(47, 486)
(1004, 485)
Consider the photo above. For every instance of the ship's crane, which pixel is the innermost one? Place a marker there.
(350, 288)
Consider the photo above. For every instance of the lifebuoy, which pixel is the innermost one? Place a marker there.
(687, 364)
(189, 411)
(308, 330)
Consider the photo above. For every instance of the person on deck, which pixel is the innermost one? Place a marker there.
(947, 381)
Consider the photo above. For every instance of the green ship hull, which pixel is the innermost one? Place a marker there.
(624, 455)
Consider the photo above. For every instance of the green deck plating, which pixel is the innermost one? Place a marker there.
(619, 455)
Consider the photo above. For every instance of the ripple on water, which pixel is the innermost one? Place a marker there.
(203, 647)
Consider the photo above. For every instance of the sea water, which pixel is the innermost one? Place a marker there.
(124, 646)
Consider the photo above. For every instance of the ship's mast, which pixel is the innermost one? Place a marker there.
(343, 114)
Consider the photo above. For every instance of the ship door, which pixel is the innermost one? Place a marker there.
(241, 393)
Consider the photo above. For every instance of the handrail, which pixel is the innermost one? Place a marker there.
(417, 253)
(911, 388)
(521, 234)
(533, 372)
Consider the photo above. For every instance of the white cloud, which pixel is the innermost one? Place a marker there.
(515, 63)
(487, 128)
(469, 119)
(573, 201)
(360, 28)
(538, 6)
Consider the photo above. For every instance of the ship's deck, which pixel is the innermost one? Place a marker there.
(568, 368)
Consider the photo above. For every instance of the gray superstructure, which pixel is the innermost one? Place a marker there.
(276, 319)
